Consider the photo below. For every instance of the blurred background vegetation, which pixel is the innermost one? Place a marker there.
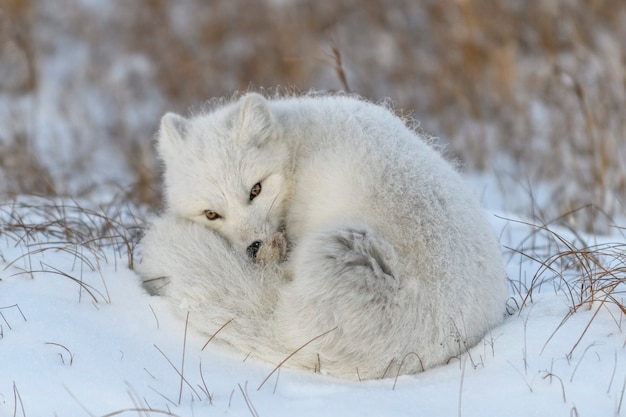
(533, 91)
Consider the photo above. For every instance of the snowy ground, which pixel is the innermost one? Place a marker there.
(79, 337)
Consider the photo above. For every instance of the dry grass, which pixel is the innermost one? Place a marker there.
(537, 90)
(589, 274)
(87, 235)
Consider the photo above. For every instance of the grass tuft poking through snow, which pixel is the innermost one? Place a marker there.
(588, 273)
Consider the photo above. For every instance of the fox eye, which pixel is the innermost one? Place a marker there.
(211, 215)
(255, 191)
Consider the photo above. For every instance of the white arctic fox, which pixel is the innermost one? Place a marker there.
(322, 225)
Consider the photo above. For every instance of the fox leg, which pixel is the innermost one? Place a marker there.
(345, 287)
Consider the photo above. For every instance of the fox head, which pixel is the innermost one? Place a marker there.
(228, 170)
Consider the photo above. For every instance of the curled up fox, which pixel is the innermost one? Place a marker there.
(322, 227)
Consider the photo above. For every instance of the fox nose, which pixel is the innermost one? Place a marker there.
(253, 249)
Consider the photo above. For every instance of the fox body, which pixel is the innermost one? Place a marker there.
(323, 225)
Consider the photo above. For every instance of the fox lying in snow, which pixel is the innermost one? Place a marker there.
(322, 225)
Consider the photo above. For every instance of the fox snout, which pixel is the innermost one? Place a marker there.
(272, 249)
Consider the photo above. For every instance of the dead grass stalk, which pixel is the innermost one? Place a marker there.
(590, 275)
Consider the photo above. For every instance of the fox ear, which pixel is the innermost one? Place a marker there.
(171, 134)
(256, 122)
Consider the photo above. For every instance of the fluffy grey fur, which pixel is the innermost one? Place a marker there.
(374, 256)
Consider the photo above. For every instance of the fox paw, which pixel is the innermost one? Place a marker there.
(273, 249)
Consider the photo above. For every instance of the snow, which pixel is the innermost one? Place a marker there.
(79, 336)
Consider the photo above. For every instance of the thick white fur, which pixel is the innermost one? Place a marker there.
(392, 266)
